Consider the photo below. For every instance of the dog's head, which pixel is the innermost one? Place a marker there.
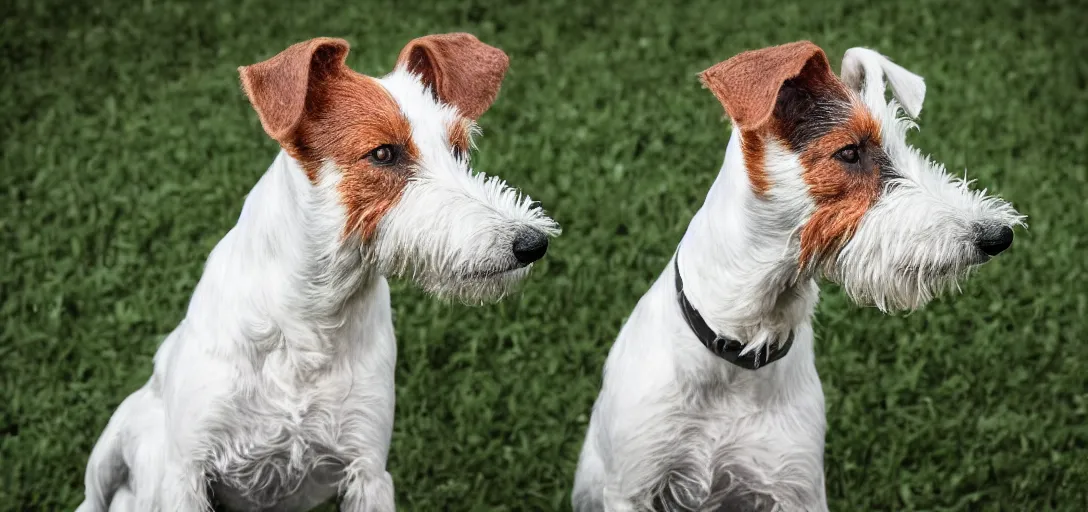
(391, 155)
(862, 206)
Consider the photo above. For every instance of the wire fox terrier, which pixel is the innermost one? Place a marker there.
(276, 390)
(818, 181)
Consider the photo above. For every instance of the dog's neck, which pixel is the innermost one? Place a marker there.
(739, 268)
(282, 280)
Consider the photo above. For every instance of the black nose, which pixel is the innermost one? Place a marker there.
(993, 240)
(530, 245)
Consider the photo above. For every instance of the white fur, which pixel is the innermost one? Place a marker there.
(674, 420)
(866, 70)
(916, 241)
(277, 386)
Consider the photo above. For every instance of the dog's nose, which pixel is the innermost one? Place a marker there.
(993, 240)
(530, 245)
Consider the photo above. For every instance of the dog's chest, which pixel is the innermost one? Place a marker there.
(718, 463)
(282, 451)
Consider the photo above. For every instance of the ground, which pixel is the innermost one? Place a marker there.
(128, 147)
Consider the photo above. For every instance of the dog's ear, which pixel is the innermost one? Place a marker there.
(459, 69)
(865, 71)
(278, 87)
(747, 84)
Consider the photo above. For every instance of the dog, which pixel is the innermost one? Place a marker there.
(710, 398)
(275, 392)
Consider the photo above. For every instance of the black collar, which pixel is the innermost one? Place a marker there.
(725, 348)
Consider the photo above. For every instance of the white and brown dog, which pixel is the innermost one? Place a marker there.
(704, 405)
(276, 390)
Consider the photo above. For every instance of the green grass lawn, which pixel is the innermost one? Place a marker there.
(128, 147)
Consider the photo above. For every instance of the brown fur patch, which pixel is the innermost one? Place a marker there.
(842, 193)
(460, 69)
(747, 84)
(770, 92)
(460, 134)
(348, 115)
(806, 106)
(755, 161)
(320, 111)
(277, 87)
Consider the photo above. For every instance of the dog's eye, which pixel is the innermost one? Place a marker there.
(848, 154)
(458, 153)
(383, 155)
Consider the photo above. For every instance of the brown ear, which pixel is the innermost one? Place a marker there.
(277, 87)
(459, 68)
(747, 84)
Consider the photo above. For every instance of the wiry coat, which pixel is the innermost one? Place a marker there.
(817, 181)
(276, 391)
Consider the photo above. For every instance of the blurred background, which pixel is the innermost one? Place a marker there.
(128, 148)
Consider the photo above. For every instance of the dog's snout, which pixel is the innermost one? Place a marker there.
(993, 240)
(530, 245)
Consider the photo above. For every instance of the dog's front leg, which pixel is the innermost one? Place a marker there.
(368, 487)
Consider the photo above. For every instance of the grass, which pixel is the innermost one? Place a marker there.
(127, 149)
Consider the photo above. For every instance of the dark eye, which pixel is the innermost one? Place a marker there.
(458, 153)
(848, 154)
(383, 155)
